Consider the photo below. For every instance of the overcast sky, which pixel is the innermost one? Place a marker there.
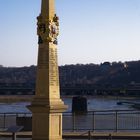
(91, 31)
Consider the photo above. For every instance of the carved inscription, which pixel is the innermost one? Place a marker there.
(43, 58)
(53, 67)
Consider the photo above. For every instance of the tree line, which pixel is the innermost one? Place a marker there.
(104, 74)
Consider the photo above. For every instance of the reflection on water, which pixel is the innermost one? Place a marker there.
(93, 104)
(99, 104)
(14, 107)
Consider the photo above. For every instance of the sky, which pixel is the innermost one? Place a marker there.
(91, 31)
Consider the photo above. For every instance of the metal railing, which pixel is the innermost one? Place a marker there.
(108, 121)
(9, 119)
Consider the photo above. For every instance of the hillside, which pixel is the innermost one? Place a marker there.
(111, 74)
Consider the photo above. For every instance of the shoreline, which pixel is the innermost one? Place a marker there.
(29, 98)
(15, 98)
(103, 96)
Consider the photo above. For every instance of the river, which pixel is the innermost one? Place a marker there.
(94, 103)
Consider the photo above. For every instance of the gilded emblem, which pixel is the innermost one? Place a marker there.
(48, 32)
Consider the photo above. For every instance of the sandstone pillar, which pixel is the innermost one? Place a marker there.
(47, 107)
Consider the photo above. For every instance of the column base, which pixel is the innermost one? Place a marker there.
(47, 120)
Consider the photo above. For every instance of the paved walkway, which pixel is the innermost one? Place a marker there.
(78, 135)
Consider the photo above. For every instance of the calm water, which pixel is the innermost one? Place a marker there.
(93, 104)
(100, 104)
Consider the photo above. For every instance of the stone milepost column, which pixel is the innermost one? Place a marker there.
(47, 107)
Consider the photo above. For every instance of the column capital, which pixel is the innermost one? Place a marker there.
(48, 23)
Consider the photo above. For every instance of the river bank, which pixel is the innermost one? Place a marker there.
(28, 98)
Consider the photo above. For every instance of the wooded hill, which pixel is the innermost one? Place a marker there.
(111, 74)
